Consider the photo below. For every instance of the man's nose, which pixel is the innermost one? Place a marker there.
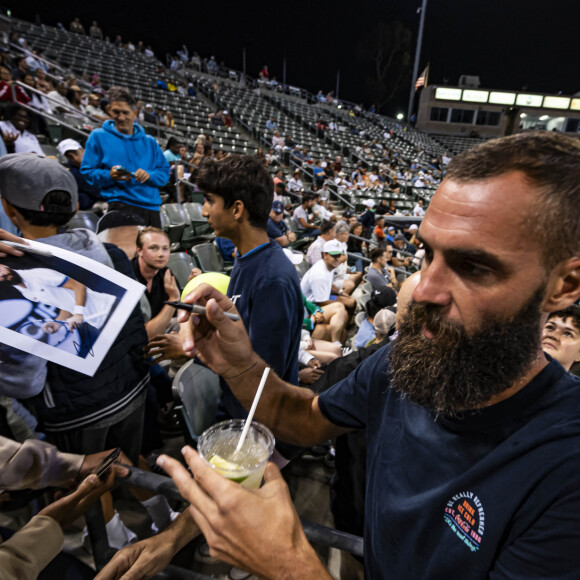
(433, 287)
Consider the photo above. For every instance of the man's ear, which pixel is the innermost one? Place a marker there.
(563, 288)
(238, 209)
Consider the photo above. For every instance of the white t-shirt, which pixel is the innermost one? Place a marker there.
(295, 185)
(314, 253)
(316, 284)
(418, 211)
(300, 212)
(26, 141)
(46, 286)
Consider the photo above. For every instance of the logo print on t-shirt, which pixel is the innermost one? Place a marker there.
(464, 514)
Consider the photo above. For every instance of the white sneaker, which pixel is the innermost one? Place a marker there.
(118, 534)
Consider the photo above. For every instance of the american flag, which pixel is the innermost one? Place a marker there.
(422, 80)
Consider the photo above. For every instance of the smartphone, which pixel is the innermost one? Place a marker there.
(124, 171)
(101, 470)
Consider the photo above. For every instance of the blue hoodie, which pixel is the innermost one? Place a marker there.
(107, 147)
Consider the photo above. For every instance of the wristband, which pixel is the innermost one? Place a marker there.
(79, 310)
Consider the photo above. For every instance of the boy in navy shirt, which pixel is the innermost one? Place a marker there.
(264, 284)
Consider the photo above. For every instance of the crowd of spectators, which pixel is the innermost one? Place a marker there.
(318, 287)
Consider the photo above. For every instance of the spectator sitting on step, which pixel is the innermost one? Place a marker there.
(297, 156)
(37, 101)
(344, 278)
(6, 88)
(561, 337)
(380, 299)
(400, 260)
(271, 124)
(95, 31)
(15, 132)
(94, 108)
(318, 282)
(42, 82)
(272, 157)
(76, 26)
(302, 219)
(276, 228)
(327, 232)
(150, 266)
(75, 98)
(379, 235)
(321, 207)
(379, 273)
(89, 195)
(277, 142)
(295, 184)
(58, 100)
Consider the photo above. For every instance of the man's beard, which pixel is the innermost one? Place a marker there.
(454, 371)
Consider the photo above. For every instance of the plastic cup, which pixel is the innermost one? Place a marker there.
(218, 443)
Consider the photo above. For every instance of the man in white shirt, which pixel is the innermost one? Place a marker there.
(317, 287)
(295, 184)
(15, 134)
(418, 210)
(327, 233)
(300, 217)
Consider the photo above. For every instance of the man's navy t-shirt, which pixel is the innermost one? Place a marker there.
(265, 289)
(275, 229)
(493, 494)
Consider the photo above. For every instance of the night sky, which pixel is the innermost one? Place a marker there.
(510, 44)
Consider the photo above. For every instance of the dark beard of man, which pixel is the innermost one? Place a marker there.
(455, 371)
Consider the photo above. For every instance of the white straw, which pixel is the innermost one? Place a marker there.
(252, 410)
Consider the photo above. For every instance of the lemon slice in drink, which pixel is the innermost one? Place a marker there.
(226, 468)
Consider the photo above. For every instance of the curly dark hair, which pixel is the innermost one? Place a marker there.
(239, 178)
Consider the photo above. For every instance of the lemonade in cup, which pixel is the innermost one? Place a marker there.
(217, 445)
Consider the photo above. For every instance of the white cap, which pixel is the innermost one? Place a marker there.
(369, 202)
(333, 247)
(68, 145)
(413, 227)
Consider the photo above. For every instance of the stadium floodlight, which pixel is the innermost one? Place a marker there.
(400, 116)
(544, 117)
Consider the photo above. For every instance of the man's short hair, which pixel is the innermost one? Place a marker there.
(307, 197)
(120, 94)
(551, 163)
(572, 312)
(243, 178)
(326, 226)
(342, 228)
(376, 253)
(148, 230)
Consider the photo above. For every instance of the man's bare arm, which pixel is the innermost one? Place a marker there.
(224, 346)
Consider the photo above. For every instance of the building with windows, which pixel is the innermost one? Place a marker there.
(471, 111)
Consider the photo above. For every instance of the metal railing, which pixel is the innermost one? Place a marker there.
(317, 534)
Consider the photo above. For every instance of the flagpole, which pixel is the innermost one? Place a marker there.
(417, 58)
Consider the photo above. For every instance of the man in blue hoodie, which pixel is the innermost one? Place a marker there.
(126, 164)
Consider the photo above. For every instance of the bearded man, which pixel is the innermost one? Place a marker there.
(473, 434)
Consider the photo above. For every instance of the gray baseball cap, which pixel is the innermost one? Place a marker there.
(26, 178)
